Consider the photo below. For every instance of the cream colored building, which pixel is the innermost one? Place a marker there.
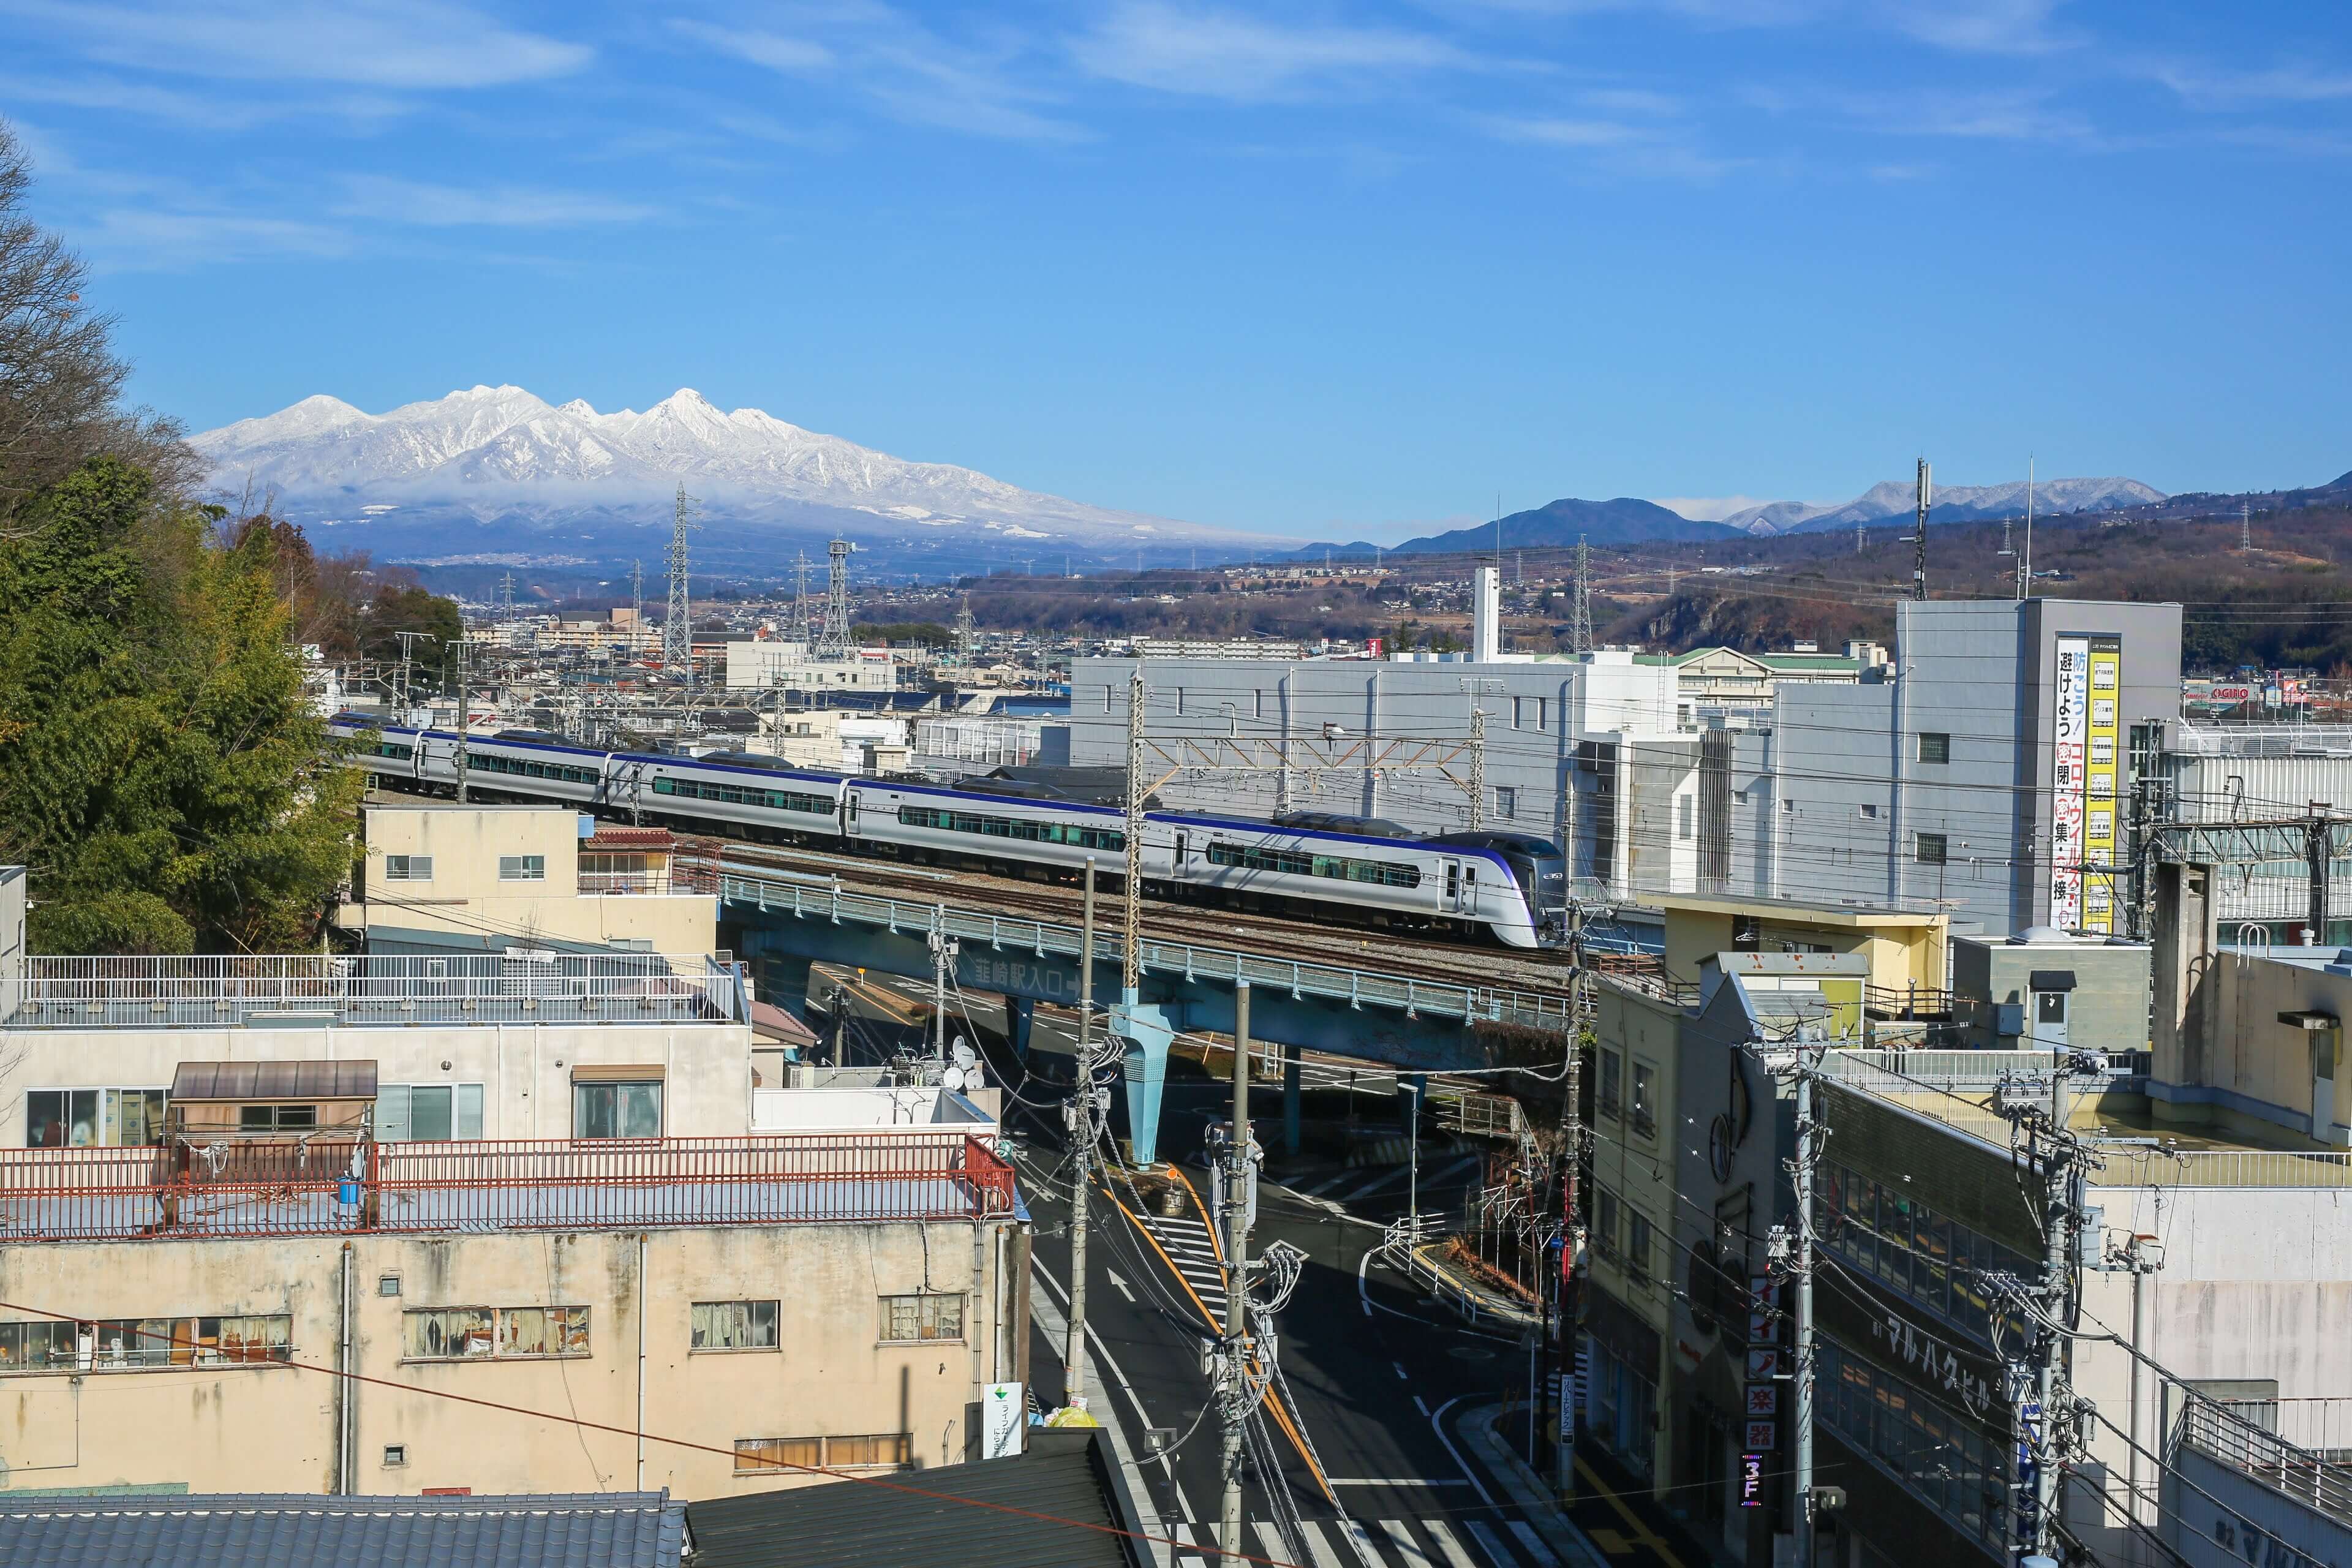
(763, 661)
(446, 877)
(836, 740)
(825, 1319)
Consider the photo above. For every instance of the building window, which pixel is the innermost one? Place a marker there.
(1897, 1242)
(1257, 703)
(1789, 808)
(1644, 1115)
(1603, 1239)
(387, 1285)
(616, 1109)
(395, 1455)
(1940, 1456)
(1935, 747)
(923, 1317)
(493, 1333)
(522, 867)
(1612, 1071)
(754, 1454)
(427, 1112)
(1507, 802)
(733, 1326)
(1683, 817)
(1638, 1242)
(276, 1118)
(1931, 849)
(1869, 813)
(1739, 797)
(408, 867)
(85, 1118)
(132, 1342)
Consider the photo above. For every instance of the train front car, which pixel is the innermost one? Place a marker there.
(1538, 916)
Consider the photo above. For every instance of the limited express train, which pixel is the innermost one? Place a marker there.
(1511, 886)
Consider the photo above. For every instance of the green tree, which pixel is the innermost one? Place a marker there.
(162, 774)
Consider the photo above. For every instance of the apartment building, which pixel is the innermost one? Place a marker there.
(440, 878)
(265, 1214)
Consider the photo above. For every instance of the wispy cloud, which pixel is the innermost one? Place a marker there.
(1215, 53)
(909, 72)
(198, 110)
(394, 44)
(384, 199)
(146, 239)
(1623, 132)
(2202, 86)
(1978, 27)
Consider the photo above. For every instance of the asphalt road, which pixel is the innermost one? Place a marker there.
(1378, 1444)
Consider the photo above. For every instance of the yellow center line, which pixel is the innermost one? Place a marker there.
(1281, 1416)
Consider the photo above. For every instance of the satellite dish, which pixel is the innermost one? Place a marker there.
(963, 1055)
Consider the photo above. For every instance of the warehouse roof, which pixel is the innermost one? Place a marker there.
(610, 1530)
(1069, 1475)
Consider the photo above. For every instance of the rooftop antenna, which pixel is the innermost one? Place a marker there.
(677, 630)
(2025, 563)
(1919, 539)
(1579, 625)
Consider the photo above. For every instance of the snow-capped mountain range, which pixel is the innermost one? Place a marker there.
(1952, 504)
(515, 472)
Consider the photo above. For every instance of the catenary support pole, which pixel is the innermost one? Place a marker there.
(1237, 1371)
(1801, 1266)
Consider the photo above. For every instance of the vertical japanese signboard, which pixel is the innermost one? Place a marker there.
(2069, 754)
(2101, 793)
(2085, 777)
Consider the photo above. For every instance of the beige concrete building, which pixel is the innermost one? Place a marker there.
(483, 879)
(749, 1305)
(764, 661)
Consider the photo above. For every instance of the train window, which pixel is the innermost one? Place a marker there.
(1295, 863)
(1015, 828)
(736, 795)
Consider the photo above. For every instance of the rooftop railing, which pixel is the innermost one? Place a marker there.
(185, 1193)
(518, 986)
(2304, 1459)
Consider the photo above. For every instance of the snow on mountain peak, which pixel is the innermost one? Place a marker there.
(493, 446)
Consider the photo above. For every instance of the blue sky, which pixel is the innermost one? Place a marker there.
(1310, 268)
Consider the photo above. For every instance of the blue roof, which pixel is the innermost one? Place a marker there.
(609, 1529)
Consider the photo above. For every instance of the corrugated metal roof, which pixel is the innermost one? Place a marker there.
(623, 1529)
(848, 1524)
(274, 1080)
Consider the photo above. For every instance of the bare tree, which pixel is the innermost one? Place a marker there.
(59, 377)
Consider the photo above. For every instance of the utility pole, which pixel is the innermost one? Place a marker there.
(408, 641)
(464, 728)
(1919, 539)
(1801, 1264)
(1234, 1351)
(944, 957)
(1565, 1304)
(1081, 1113)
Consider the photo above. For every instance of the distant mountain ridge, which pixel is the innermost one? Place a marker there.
(498, 469)
(1947, 504)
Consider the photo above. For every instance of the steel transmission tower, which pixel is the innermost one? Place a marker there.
(833, 641)
(964, 634)
(636, 596)
(1580, 626)
(2245, 527)
(1919, 539)
(677, 630)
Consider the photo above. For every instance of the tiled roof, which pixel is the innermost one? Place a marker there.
(612, 1530)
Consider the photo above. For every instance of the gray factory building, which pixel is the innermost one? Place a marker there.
(1989, 775)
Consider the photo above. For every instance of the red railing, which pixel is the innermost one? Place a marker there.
(91, 1194)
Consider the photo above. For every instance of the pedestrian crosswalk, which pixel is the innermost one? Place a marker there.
(1372, 1543)
(1186, 1240)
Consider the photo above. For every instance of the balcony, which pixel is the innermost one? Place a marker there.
(525, 986)
(185, 1193)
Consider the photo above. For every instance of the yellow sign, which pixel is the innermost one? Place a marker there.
(2100, 795)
